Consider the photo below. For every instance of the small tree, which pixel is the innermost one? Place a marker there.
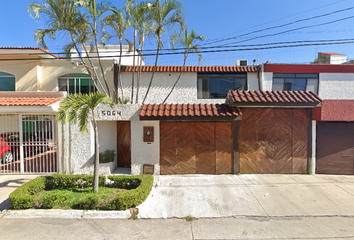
(79, 106)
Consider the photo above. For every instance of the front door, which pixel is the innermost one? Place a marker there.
(123, 144)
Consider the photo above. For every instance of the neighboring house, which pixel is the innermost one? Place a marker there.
(332, 126)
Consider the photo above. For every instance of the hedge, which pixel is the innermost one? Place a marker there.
(139, 188)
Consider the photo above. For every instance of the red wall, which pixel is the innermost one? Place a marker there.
(334, 110)
(308, 68)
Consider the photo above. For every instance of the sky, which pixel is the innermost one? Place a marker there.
(217, 20)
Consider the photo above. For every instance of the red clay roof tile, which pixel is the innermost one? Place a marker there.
(27, 101)
(189, 110)
(243, 96)
(201, 69)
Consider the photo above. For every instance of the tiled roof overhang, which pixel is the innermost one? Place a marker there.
(199, 69)
(29, 98)
(190, 112)
(294, 99)
(334, 110)
(29, 48)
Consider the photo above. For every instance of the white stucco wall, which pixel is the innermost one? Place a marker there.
(80, 148)
(185, 91)
(142, 152)
(336, 85)
(267, 81)
(252, 79)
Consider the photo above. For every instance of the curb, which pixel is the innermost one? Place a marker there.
(68, 214)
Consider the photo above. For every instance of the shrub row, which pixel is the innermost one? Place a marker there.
(139, 188)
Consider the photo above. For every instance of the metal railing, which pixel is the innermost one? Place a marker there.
(28, 144)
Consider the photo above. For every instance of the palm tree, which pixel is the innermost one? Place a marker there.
(96, 11)
(187, 42)
(144, 30)
(78, 107)
(163, 16)
(136, 12)
(62, 16)
(119, 22)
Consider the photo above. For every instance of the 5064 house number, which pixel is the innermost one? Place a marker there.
(111, 113)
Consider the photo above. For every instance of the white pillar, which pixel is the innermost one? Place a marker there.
(313, 157)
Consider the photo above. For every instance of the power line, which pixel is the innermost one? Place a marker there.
(295, 29)
(283, 25)
(214, 47)
(206, 51)
(279, 19)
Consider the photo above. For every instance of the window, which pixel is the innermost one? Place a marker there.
(295, 82)
(7, 82)
(76, 83)
(218, 85)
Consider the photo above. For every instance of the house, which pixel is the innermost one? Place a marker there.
(264, 125)
(332, 123)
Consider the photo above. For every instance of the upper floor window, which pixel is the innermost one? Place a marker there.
(295, 82)
(218, 85)
(76, 83)
(7, 82)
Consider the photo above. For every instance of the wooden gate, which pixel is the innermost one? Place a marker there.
(273, 141)
(123, 144)
(196, 147)
(335, 148)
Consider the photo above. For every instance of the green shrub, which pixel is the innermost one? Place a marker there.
(23, 196)
(32, 194)
(64, 181)
(107, 156)
(53, 199)
(130, 198)
(89, 201)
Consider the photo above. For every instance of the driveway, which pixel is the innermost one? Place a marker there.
(249, 195)
(8, 183)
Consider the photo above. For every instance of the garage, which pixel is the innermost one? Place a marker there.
(195, 138)
(335, 148)
(273, 141)
(274, 135)
(196, 147)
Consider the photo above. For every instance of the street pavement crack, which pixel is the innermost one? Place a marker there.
(255, 197)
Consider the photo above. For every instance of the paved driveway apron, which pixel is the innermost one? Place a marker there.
(8, 183)
(249, 195)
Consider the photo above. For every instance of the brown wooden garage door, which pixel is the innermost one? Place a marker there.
(273, 141)
(335, 148)
(196, 147)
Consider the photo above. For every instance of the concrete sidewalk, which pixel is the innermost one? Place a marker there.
(250, 195)
(220, 196)
(216, 228)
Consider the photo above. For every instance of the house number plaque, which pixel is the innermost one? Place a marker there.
(111, 113)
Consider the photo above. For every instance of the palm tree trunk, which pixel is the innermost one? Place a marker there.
(132, 95)
(119, 68)
(174, 85)
(99, 60)
(139, 74)
(94, 70)
(97, 159)
(153, 72)
(83, 61)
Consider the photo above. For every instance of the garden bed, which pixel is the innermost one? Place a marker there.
(61, 191)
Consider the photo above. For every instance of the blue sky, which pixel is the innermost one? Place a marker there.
(220, 19)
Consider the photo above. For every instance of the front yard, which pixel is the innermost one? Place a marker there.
(61, 191)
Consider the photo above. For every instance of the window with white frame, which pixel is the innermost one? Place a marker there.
(7, 82)
(295, 82)
(218, 85)
(76, 83)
